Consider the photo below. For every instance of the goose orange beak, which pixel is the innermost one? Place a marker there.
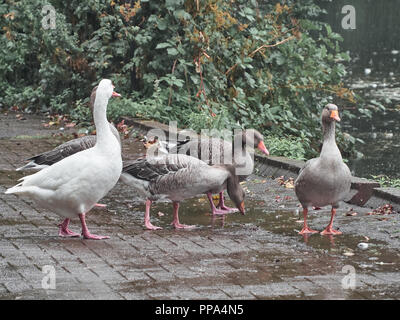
(262, 147)
(335, 115)
(114, 94)
(241, 207)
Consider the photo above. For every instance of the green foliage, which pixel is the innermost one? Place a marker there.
(290, 147)
(206, 64)
(386, 181)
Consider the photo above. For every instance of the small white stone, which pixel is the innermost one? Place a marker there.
(363, 246)
(367, 71)
(388, 135)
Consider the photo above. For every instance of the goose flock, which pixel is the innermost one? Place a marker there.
(69, 182)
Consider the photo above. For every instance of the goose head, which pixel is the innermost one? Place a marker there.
(106, 88)
(330, 113)
(254, 138)
(235, 190)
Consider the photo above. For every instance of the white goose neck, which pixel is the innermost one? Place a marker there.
(103, 131)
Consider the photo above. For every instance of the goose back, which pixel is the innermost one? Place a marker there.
(173, 176)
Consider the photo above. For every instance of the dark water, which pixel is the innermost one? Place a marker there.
(374, 74)
(285, 223)
(381, 131)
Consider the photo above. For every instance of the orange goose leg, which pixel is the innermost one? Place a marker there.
(306, 228)
(329, 230)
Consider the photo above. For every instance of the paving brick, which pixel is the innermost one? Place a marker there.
(235, 258)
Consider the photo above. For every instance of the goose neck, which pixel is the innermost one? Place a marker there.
(100, 118)
(330, 149)
(329, 131)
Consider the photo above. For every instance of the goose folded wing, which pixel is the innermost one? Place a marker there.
(64, 150)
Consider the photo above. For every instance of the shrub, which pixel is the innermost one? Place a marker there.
(205, 64)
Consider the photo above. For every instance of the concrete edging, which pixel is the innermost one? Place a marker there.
(277, 166)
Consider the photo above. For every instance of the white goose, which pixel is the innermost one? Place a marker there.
(72, 186)
(46, 159)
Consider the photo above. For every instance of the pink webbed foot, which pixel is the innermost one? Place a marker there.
(218, 211)
(214, 210)
(147, 222)
(227, 209)
(221, 205)
(149, 226)
(175, 222)
(307, 230)
(63, 230)
(88, 235)
(85, 231)
(178, 225)
(67, 233)
(330, 231)
(100, 205)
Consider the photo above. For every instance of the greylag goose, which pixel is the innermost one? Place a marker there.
(218, 151)
(72, 186)
(66, 149)
(177, 177)
(325, 180)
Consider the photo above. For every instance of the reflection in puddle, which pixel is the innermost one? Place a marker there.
(285, 224)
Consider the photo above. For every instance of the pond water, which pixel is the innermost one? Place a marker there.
(374, 74)
(378, 80)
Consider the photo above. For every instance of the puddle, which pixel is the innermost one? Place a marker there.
(283, 223)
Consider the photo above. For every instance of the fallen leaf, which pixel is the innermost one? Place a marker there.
(348, 253)
(385, 209)
(351, 213)
(70, 125)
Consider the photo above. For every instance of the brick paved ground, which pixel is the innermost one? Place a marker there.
(256, 256)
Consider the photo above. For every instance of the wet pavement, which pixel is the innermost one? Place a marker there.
(256, 256)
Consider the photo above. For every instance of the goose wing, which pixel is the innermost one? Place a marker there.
(64, 150)
(177, 176)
